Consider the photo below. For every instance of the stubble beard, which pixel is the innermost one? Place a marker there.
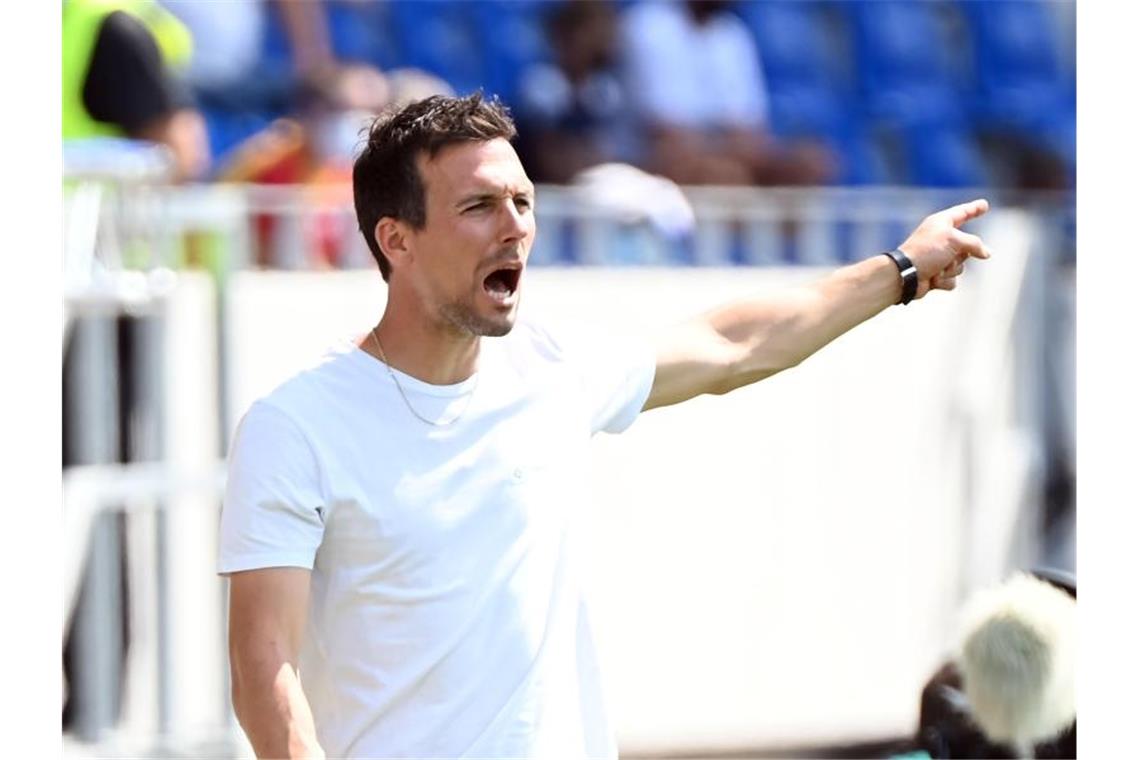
(466, 320)
(464, 316)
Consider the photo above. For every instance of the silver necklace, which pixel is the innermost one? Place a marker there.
(407, 403)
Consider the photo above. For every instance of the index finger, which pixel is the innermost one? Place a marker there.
(964, 212)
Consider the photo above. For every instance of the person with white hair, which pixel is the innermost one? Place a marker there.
(1010, 689)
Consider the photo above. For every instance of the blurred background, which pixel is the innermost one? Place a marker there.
(778, 571)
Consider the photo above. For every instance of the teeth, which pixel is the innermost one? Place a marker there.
(500, 294)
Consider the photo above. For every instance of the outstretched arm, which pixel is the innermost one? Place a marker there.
(743, 342)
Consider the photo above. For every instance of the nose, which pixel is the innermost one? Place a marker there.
(516, 224)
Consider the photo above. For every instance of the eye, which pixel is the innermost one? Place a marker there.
(476, 206)
(522, 202)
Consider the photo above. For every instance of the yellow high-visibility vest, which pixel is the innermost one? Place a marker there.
(81, 22)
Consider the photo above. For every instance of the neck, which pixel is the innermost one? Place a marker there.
(434, 353)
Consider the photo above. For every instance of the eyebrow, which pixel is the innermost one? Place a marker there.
(490, 196)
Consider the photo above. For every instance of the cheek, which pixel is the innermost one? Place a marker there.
(455, 262)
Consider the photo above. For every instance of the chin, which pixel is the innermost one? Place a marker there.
(499, 325)
(470, 321)
(499, 329)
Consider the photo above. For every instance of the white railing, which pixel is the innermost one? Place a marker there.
(234, 227)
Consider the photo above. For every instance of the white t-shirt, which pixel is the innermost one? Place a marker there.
(446, 615)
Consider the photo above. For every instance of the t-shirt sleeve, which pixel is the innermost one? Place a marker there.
(272, 510)
(127, 82)
(616, 370)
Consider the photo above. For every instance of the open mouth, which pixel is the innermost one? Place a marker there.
(502, 283)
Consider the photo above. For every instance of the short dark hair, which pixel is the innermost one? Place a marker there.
(385, 178)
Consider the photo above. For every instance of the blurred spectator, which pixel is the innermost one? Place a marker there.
(230, 59)
(574, 113)
(244, 87)
(316, 143)
(291, 121)
(118, 79)
(229, 40)
(695, 75)
(319, 142)
(335, 106)
(240, 87)
(1010, 691)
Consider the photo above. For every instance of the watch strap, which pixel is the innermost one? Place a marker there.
(907, 271)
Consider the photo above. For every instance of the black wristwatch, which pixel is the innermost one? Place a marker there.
(907, 271)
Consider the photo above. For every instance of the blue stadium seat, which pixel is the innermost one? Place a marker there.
(803, 97)
(862, 160)
(806, 94)
(1020, 82)
(512, 34)
(275, 51)
(907, 77)
(798, 109)
(944, 156)
(912, 92)
(792, 42)
(1015, 40)
(1022, 87)
(361, 32)
(438, 37)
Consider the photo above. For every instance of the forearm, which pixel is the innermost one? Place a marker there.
(308, 32)
(775, 334)
(747, 341)
(273, 711)
(750, 340)
(184, 133)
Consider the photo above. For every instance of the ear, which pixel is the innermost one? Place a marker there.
(392, 237)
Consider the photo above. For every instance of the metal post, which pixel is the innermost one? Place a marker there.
(765, 244)
(815, 233)
(93, 378)
(712, 239)
(593, 241)
(149, 426)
